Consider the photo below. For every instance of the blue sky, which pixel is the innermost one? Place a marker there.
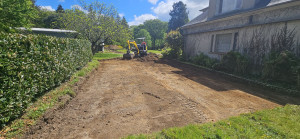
(135, 11)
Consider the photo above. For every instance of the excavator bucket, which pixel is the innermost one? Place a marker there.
(128, 56)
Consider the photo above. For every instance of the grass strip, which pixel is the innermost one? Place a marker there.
(281, 122)
(51, 99)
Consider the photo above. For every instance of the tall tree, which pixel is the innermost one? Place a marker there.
(179, 16)
(98, 24)
(60, 9)
(16, 13)
(156, 28)
(144, 33)
(125, 23)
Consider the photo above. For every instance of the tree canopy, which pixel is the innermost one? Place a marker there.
(16, 13)
(146, 34)
(179, 16)
(157, 29)
(98, 25)
(60, 9)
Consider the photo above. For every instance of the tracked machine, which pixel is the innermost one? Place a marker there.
(139, 50)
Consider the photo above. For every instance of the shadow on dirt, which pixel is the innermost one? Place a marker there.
(221, 83)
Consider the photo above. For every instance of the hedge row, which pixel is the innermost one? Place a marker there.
(30, 65)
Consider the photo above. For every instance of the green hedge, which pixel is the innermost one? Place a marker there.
(30, 65)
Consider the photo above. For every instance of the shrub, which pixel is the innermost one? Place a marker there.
(33, 64)
(204, 60)
(174, 40)
(233, 62)
(282, 67)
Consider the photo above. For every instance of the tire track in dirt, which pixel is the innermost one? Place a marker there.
(132, 97)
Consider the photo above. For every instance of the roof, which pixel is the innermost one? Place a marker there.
(48, 30)
(262, 4)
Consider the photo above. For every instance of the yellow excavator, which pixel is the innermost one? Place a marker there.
(139, 51)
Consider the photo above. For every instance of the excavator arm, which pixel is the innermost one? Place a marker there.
(135, 45)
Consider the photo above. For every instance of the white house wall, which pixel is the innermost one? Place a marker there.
(269, 20)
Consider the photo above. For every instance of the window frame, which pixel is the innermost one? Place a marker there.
(220, 7)
(214, 42)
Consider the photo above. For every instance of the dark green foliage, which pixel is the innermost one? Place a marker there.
(174, 40)
(283, 67)
(233, 62)
(33, 64)
(157, 29)
(204, 60)
(60, 9)
(16, 13)
(179, 16)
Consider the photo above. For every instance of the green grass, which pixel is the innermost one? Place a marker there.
(155, 51)
(280, 122)
(122, 51)
(101, 56)
(51, 99)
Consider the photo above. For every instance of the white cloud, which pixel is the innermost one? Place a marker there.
(61, 0)
(163, 9)
(79, 8)
(48, 8)
(121, 15)
(141, 19)
(153, 1)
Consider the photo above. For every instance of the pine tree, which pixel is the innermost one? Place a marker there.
(60, 9)
(124, 23)
(179, 16)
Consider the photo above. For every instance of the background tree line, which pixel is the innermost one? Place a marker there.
(97, 22)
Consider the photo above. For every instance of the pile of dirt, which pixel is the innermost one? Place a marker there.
(149, 57)
(113, 47)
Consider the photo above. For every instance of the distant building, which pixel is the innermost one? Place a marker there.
(52, 32)
(226, 25)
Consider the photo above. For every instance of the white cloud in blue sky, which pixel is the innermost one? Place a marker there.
(141, 19)
(79, 8)
(153, 1)
(47, 8)
(164, 7)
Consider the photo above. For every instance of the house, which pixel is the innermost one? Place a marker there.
(233, 25)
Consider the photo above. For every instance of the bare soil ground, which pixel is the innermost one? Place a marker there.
(145, 95)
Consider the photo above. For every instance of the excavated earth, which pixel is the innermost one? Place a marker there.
(146, 95)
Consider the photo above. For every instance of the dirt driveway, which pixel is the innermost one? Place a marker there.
(132, 97)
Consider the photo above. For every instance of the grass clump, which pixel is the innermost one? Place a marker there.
(282, 122)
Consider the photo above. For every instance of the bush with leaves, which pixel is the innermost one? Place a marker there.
(174, 40)
(30, 65)
(233, 62)
(282, 67)
(204, 60)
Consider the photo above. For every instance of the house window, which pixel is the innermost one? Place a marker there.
(223, 43)
(229, 5)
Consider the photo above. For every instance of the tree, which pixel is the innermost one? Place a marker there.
(156, 28)
(146, 34)
(125, 23)
(16, 13)
(60, 9)
(136, 29)
(98, 24)
(179, 16)
(175, 41)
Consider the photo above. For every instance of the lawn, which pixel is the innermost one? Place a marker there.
(280, 122)
(106, 55)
